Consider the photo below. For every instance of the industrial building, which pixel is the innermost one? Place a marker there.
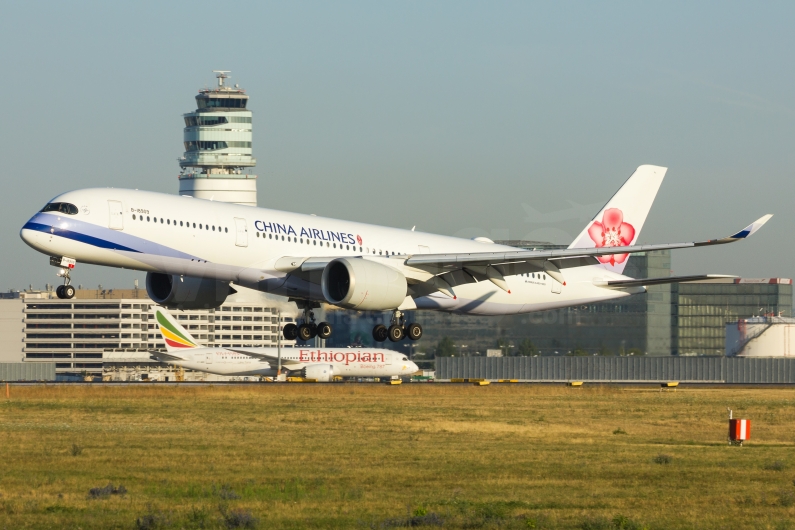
(702, 310)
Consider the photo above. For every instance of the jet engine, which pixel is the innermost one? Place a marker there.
(186, 292)
(322, 373)
(361, 284)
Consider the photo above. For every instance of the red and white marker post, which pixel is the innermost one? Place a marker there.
(739, 430)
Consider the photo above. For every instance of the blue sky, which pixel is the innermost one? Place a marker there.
(456, 117)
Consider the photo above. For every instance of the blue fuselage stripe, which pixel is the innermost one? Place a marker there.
(77, 236)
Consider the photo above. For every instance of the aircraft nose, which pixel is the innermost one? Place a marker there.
(32, 236)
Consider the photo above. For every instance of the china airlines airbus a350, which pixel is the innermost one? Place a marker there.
(194, 251)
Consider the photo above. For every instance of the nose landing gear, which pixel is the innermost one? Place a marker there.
(65, 291)
(397, 330)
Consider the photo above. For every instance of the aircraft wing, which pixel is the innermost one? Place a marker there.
(453, 261)
(428, 273)
(445, 271)
(269, 357)
(645, 282)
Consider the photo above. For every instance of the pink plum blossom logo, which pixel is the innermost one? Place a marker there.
(612, 232)
(359, 239)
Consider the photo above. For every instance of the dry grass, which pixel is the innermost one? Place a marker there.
(365, 456)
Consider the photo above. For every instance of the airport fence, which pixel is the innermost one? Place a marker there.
(619, 369)
(27, 371)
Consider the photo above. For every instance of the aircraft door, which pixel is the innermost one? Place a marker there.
(241, 232)
(116, 219)
(555, 285)
(209, 357)
(423, 249)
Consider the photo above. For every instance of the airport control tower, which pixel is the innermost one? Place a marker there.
(218, 146)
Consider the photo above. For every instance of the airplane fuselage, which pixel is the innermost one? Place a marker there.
(246, 245)
(346, 362)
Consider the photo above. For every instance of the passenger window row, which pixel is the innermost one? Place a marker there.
(533, 275)
(300, 240)
(187, 224)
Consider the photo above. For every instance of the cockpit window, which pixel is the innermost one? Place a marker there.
(405, 358)
(63, 207)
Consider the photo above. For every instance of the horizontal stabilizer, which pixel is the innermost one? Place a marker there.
(645, 282)
(165, 357)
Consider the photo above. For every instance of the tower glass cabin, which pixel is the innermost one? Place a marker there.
(217, 139)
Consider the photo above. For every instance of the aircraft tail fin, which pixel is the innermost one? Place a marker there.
(176, 337)
(619, 223)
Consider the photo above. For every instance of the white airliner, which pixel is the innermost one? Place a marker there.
(321, 364)
(194, 251)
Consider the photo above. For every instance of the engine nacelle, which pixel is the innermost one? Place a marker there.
(186, 292)
(361, 284)
(322, 373)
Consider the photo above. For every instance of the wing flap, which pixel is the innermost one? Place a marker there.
(645, 282)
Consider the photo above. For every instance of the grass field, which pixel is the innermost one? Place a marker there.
(369, 456)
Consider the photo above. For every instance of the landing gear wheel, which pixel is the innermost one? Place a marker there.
(59, 292)
(306, 332)
(396, 333)
(380, 333)
(290, 332)
(68, 291)
(324, 330)
(414, 331)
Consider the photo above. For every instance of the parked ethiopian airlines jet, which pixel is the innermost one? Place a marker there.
(319, 364)
(194, 251)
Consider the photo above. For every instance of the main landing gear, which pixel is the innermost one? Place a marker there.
(397, 330)
(307, 329)
(65, 291)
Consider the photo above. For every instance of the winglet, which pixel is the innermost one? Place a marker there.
(752, 228)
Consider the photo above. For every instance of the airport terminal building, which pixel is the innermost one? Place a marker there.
(113, 330)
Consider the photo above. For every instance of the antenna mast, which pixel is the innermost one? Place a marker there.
(221, 76)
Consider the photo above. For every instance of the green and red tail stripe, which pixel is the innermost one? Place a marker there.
(173, 336)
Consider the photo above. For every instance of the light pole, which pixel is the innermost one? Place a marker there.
(279, 344)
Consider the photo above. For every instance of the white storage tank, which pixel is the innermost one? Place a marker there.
(764, 336)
